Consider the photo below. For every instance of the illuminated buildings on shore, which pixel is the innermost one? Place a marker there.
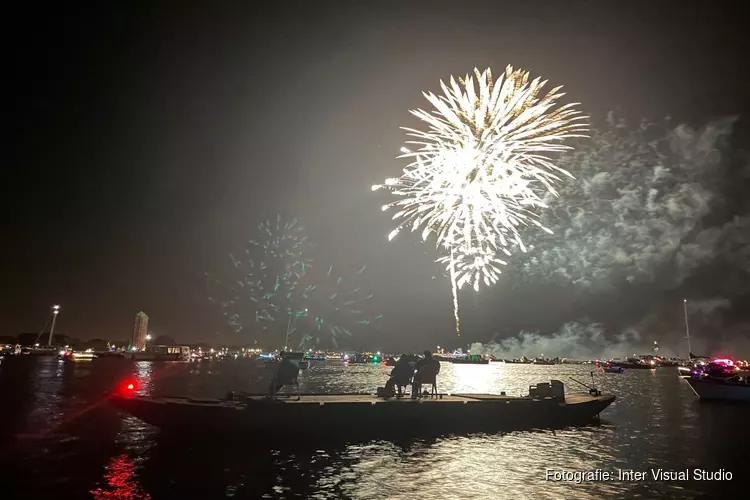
(140, 331)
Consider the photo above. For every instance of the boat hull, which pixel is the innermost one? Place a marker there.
(38, 352)
(360, 416)
(719, 390)
(635, 366)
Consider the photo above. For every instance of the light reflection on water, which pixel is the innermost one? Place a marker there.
(83, 444)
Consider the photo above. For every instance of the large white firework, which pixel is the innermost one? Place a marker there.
(480, 169)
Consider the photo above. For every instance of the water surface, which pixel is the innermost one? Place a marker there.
(59, 438)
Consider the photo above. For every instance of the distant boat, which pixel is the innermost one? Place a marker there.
(441, 357)
(10, 350)
(39, 351)
(614, 369)
(636, 363)
(668, 363)
(159, 353)
(471, 359)
(516, 361)
(542, 361)
(77, 356)
(316, 357)
(362, 359)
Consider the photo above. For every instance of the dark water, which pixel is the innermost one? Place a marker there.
(60, 439)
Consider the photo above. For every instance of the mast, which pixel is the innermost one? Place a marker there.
(55, 311)
(687, 327)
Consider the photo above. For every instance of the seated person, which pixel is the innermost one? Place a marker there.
(427, 372)
(286, 374)
(401, 375)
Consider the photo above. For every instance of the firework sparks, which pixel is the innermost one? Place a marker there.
(478, 171)
(474, 264)
(283, 244)
(262, 284)
(338, 304)
(274, 283)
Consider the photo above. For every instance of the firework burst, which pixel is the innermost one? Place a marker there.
(284, 245)
(336, 304)
(272, 283)
(480, 168)
(261, 284)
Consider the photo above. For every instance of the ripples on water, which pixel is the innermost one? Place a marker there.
(60, 439)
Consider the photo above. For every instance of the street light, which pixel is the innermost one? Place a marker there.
(55, 312)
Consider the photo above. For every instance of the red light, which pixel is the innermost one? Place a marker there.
(128, 387)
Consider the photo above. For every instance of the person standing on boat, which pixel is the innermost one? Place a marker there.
(286, 374)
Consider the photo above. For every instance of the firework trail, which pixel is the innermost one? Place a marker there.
(479, 170)
(472, 264)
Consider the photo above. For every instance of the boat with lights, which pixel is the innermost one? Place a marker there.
(316, 357)
(159, 353)
(635, 364)
(362, 358)
(356, 416)
(720, 379)
(470, 359)
(71, 356)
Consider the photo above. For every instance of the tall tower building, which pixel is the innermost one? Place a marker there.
(140, 330)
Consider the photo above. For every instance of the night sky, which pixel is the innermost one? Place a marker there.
(144, 144)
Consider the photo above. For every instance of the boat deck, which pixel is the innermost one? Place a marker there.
(368, 399)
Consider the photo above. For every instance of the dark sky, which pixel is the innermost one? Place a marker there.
(144, 143)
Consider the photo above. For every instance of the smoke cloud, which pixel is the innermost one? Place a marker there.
(638, 208)
(654, 212)
(573, 341)
(708, 306)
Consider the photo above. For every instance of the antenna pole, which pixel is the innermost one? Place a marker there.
(687, 327)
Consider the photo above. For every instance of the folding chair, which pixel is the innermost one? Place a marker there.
(432, 382)
(428, 376)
